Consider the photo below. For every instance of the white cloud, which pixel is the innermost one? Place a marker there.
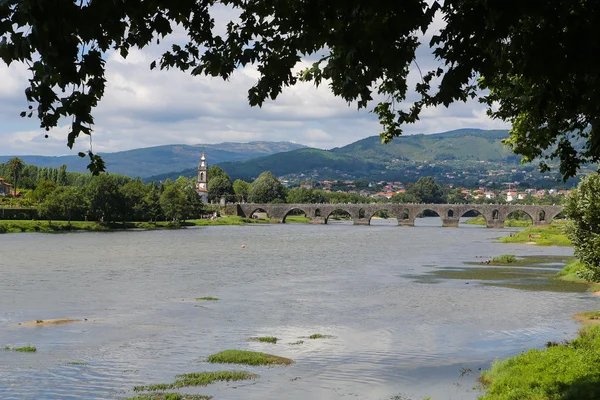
(144, 108)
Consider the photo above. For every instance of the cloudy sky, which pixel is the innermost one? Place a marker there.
(143, 108)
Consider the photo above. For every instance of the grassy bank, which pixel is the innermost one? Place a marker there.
(570, 274)
(18, 226)
(570, 370)
(297, 219)
(541, 235)
(512, 223)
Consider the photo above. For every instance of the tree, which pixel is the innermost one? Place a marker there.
(426, 190)
(583, 207)
(152, 203)
(241, 189)
(219, 184)
(106, 198)
(51, 207)
(266, 189)
(43, 189)
(173, 202)
(528, 56)
(303, 196)
(15, 167)
(456, 197)
(61, 179)
(134, 193)
(73, 202)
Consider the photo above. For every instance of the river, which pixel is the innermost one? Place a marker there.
(393, 335)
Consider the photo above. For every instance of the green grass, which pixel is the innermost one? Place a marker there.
(247, 358)
(198, 379)
(319, 336)
(542, 235)
(264, 339)
(206, 298)
(512, 223)
(18, 226)
(169, 396)
(25, 349)
(564, 371)
(297, 219)
(570, 274)
(504, 259)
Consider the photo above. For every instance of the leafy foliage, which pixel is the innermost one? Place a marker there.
(426, 190)
(583, 207)
(529, 56)
(566, 371)
(219, 184)
(266, 189)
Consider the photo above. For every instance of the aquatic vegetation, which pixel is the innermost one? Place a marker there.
(247, 357)
(264, 339)
(169, 396)
(207, 298)
(298, 342)
(25, 349)
(563, 371)
(320, 336)
(198, 379)
(504, 259)
(77, 363)
(39, 321)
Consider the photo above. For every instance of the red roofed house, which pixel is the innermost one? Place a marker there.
(4, 188)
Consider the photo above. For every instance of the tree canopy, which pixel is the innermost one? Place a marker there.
(532, 63)
(583, 207)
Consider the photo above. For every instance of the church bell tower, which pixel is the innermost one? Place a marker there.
(202, 182)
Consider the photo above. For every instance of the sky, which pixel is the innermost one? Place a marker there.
(143, 108)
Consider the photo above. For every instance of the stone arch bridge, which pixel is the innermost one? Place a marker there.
(494, 214)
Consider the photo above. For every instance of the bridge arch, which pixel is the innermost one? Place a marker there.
(386, 213)
(428, 212)
(469, 214)
(338, 211)
(542, 215)
(404, 215)
(257, 210)
(290, 211)
(516, 213)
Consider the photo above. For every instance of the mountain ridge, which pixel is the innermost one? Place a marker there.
(148, 161)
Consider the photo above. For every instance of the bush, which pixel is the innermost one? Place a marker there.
(505, 259)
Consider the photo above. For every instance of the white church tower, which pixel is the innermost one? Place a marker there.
(202, 183)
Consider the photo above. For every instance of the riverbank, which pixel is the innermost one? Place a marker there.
(19, 226)
(566, 370)
(511, 223)
(541, 235)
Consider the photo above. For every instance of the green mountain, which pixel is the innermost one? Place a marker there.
(463, 144)
(162, 159)
(368, 158)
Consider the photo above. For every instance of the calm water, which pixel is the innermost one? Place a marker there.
(392, 335)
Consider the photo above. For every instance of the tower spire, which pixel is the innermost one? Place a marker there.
(202, 181)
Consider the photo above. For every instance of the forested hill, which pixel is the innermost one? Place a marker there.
(368, 158)
(149, 161)
(462, 144)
